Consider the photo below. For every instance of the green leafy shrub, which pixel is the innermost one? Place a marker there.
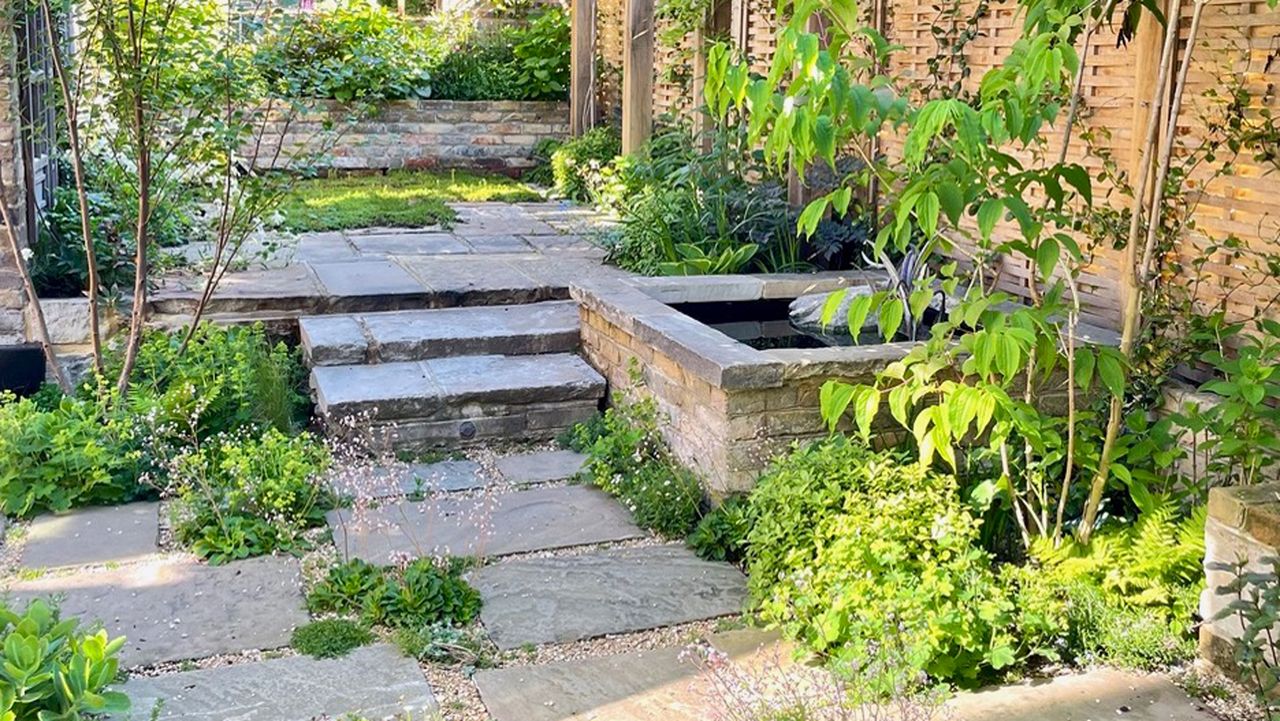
(847, 543)
(721, 535)
(225, 380)
(423, 593)
(1129, 597)
(445, 643)
(53, 670)
(542, 53)
(522, 62)
(243, 495)
(575, 159)
(330, 638)
(56, 455)
(629, 460)
(353, 53)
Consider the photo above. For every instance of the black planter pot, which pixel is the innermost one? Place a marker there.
(21, 368)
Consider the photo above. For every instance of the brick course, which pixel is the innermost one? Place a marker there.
(497, 136)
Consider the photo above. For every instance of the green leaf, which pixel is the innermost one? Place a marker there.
(927, 213)
(890, 318)
(859, 309)
(1079, 179)
(1111, 371)
(831, 305)
(951, 199)
(811, 214)
(989, 214)
(1047, 257)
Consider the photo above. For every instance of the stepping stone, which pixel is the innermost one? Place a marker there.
(638, 686)
(367, 278)
(418, 335)
(570, 598)
(374, 682)
(534, 520)
(425, 478)
(111, 534)
(449, 402)
(408, 242)
(176, 610)
(541, 467)
(498, 244)
(1100, 694)
(487, 219)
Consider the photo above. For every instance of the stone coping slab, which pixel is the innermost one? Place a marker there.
(409, 479)
(374, 681)
(110, 534)
(541, 466)
(536, 519)
(1253, 510)
(178, 609)
(654, 685)
(570, 598)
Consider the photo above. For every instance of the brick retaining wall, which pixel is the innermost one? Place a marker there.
(11, 294)
(497, 136)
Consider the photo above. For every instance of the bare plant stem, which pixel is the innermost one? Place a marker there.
(71, 110)
(37, 314)
(1129, 270)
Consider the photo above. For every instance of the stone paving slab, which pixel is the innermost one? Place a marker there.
(424, 478)
(541, 466)
(111, 534)
(570, 598)
(177, 609)
(536, 328)
(638, 686)
(516, 379)
(408, 242)
(386, 390)
(375, 682)
(476, 280)
(482, 219)
(366, 278)
(499, 244)
(532, 520)
(1101, 694)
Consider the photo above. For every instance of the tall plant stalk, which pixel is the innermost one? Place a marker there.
(71, 112)
(37, 313)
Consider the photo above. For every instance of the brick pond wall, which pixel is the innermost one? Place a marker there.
(1243, 524)
(497, 136)
(11, 294)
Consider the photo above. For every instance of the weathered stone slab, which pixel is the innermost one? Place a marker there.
(531, 520)
(329, 247)
(638, 686)
(560, 599)
(541, 467)
(112, 534)
(1101, 694)
(374, 682)
(487, 330)
(498, 244)
(474, 280)
(172, 610)
(477, 424)
(488, 219)
(424, 478)
(408, 242)
(366, 278)
(515, 379)
(332, 340)
(387, 390)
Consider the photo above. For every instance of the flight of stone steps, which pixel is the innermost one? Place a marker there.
(451, 377)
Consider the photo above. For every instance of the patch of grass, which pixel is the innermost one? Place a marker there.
(401, 198)
(331, 638)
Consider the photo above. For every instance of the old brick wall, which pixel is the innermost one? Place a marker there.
(497, 136)
(11, 294)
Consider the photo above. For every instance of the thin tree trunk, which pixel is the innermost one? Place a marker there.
(42, 328)
(1129, 271)
(71, 110)
(137, 315)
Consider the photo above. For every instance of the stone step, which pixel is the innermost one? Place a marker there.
(449, 402)
(422, 334)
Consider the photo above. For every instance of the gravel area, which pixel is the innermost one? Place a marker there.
(456, 694)
(1225, 698)
(229, 659)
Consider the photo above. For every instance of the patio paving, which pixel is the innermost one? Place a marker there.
(570, 598)
(177, 609)
(497, 253)
(374, 681)
(540, 466)
(111, 534)
(415, 478)
(538, 519)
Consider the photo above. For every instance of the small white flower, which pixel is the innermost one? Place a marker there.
(28, 254)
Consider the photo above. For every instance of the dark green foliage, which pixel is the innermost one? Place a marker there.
(330, 638)
(721, 535)
(226, 379)
(353, 53)
(573, 163)
(423, 593)
(520, 62)
(1255, 606)
(51, 669)
(542, 55)
(851, 548)
(484, 69)
(629, 460)
(241, 495)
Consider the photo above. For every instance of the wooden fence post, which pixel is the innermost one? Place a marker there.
(582, 68)
(637, 75)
